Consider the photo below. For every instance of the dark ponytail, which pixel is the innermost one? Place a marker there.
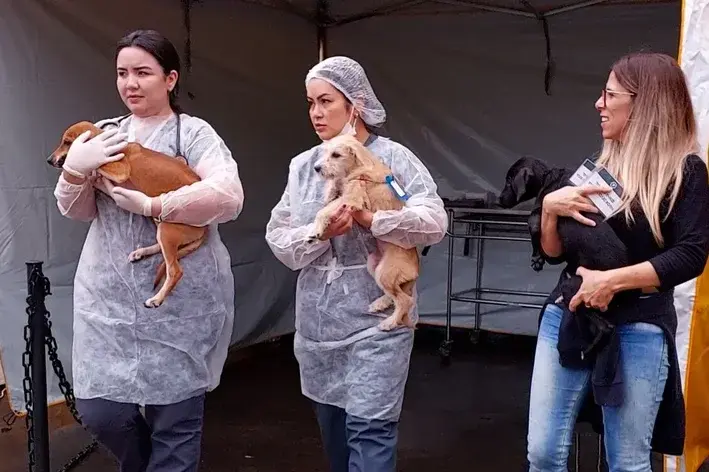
(162, 50)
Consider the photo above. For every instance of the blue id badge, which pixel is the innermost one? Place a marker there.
(396, 188)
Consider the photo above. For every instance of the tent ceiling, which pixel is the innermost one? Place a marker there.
(346, 11)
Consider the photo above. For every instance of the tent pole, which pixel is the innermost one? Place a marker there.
(549, 70)
(322, 19)
(574, 7)
(322, 43)
(488, 8)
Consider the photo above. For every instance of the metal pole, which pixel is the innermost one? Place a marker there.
(599, 461)
(35, 289)
(570, 8)
(483, 7)
(451, 247)
(445, 348)
(577, 452)
(479, 275)
(322, 18)
(322, 43)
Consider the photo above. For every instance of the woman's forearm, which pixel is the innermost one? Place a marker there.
(72, 179)
(550, 241)
(632, 277)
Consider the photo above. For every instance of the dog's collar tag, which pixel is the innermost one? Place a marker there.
(398, 191)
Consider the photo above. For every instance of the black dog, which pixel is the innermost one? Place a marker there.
(593, 247)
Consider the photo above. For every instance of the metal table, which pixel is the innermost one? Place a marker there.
(507, 225)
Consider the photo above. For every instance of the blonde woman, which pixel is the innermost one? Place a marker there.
(650, 142)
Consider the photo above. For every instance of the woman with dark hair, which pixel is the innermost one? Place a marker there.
(632, 377)
(126, 355)
(352, 370)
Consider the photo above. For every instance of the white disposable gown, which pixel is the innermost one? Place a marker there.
(345, 359)
(122, 350)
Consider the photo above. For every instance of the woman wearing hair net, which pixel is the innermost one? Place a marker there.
(126, 355)
(353, 372)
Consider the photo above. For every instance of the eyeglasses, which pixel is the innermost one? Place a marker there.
(612, 94)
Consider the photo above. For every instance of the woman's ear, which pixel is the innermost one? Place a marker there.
(172, 80)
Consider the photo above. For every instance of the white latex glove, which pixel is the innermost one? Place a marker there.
(86, 156)
(133, 201)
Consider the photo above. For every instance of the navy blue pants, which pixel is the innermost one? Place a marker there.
(355, 444)
(167, 438)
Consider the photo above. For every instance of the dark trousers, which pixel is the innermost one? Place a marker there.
(167, 438)
(355, 444)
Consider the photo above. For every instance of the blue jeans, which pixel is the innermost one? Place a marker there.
(167, 439)
(557, 394)
(355, 444)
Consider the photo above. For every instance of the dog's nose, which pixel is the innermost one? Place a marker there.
(318, 168)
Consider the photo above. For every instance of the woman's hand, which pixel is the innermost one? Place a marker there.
(86, 155)
(340, 223)
(364, 218)
(571, 201)
(596, 290)
(131, 200)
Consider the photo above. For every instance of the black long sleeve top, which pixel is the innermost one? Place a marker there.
(683, 257)
(685, 230)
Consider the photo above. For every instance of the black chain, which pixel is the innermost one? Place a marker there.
(77, 459)
(42, 283)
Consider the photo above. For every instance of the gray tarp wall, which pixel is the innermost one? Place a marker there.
(465, 91)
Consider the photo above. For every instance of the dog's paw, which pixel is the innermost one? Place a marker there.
(136, 255)
(154, 302)
(380, 304)
(313, 238)
(388, 324)
(316, 234)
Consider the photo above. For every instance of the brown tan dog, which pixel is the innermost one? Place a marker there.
(356, 179)
(152, 173)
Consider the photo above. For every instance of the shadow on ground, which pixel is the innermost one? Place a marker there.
(469, 415)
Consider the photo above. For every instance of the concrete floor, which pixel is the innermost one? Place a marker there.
(470, 415)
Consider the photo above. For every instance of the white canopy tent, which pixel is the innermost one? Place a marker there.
(468, 86)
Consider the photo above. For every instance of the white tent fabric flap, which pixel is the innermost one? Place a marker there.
(692, 298)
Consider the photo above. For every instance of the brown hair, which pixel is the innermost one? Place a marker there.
(660, 133)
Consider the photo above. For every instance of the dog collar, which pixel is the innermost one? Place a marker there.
(393, 185)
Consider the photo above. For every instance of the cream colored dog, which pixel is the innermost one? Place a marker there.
(357, 180)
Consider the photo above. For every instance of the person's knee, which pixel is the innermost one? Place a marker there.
(545, 451)
(102, 417)
(630, 460)
(629, 446)
(372, 444)
(381, 430)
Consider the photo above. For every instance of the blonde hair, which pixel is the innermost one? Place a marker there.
(660, 133)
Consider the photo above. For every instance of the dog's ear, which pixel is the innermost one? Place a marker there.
(354, 152)
(362, 155)
(118, 171)
(521, 183)
(81, 127)
(516, 184)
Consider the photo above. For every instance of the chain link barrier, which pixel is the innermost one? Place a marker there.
(38, 288)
